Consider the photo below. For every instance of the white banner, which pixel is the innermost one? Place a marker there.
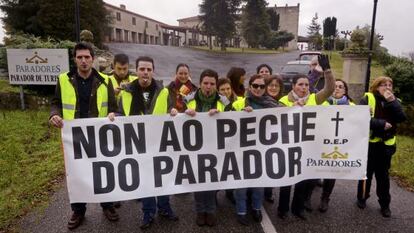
(36, 66)
(141, 156)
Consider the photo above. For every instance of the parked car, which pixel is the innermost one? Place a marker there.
(293, 68)
(307, 55)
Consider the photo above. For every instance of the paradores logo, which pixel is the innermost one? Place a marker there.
(333, 159)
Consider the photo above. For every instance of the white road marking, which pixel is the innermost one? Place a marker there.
(266, 223)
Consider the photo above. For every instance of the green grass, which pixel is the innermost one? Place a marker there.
(337, 62)
(402, 166)
(239, 50)
(6, 87)
(30, 162)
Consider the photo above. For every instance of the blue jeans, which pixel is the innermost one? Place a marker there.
(150, 204)
(205, 202)
(240, 195)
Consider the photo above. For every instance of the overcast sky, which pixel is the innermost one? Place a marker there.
(394, 20)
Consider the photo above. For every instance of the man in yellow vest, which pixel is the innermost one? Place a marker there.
(83, 93)
(146, 96)
(121, 76)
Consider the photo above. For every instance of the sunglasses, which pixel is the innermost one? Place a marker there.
(261, 86)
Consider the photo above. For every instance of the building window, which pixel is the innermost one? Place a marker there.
(118, 16)
(156, 27)
(146, 24)
(134, 21)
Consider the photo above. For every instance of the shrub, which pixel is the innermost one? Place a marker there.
(402, 73)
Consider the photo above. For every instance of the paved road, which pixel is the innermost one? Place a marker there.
(343, 215)
(167, 58)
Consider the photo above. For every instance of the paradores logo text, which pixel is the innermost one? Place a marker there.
(333, 159)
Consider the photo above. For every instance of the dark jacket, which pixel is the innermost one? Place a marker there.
(390, 112)
(138, 106)
(56, 102)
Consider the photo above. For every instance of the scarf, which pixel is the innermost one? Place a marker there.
(181, 90)
(296, 97)
(341, 101)
(264, 101)
(206, 103)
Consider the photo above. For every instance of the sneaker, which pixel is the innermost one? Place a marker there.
(361, 203)
(386, 212)
(257, 215)
(211, 219)
(242, 219)
(168, 214)
(324, 205)
(308, 205)
(282, 215)
(146, 222)
(201, 219)
(110, 214)
(75, 220)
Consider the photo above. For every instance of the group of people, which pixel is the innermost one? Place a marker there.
(86, 93)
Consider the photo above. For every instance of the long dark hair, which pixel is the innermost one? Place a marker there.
(234, 74)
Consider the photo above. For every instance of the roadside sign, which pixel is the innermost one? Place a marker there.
(36, 66)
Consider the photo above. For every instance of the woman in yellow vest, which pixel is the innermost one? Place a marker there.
(299, 96)
(256, 98)
(339, 97)
(386, 113)
(180, 88)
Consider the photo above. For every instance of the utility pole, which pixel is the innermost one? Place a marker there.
(371, 44)
(77, 21)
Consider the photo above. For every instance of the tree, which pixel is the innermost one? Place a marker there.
(49, 18)
(314, 33)
(219, 19)
(274, 19)
(279, 39)
(255, 22)
(329, 32)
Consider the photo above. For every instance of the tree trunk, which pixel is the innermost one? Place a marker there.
(210, 42)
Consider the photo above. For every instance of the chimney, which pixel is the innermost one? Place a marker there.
(122, 6)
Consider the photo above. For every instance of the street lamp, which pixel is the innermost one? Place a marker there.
(346, 34)
(371, 44)
(77, 21)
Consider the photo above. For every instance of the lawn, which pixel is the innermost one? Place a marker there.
(31, 162)
(337, 62)
(402, 166)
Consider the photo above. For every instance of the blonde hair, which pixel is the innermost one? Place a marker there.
(377, 82)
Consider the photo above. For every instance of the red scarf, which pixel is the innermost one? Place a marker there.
(181, 90)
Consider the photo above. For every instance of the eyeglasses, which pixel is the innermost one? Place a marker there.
(261, 86)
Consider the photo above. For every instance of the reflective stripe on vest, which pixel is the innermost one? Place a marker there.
(68, 97)
(372, 104)
(310, 102)
(193, 105)
(160, 107)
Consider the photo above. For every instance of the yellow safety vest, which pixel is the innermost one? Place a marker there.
(311, 101)
(372, 103)
(68, 97)
(192, 104)
(115, 82)
(160, 107)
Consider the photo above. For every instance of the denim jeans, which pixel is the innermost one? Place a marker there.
(205, 202)
(150, 204)
(240, 195)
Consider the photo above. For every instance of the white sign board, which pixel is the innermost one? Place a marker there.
(36, 66)
(143, 156)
